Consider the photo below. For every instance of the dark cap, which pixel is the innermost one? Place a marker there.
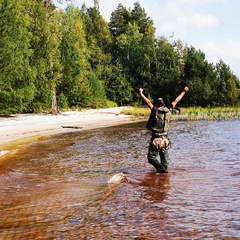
(160, 102)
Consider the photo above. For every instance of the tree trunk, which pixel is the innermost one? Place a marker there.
(54, 102)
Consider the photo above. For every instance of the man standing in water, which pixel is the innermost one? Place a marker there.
(158, 124)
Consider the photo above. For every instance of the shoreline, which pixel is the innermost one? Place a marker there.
(18, 129)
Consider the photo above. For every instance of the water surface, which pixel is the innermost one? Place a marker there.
(57, 188)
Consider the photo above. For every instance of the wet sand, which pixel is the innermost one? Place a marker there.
(19, 128)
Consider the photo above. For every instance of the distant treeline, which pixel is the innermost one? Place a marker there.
(54, 59)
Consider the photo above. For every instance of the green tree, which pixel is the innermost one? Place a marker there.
(199, 75)
(45, 28)
(226, 86)
(53, 53)
(119, 20)
(74, 88)
(166, 79)
(119, 89)
(134, 47)
(99, 41)
(16, 73)
(39, 45)
(129, 49)
(140, 17)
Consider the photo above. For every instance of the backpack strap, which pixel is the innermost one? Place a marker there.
(164, 120)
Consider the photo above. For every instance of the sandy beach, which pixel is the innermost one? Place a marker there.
(19, 128)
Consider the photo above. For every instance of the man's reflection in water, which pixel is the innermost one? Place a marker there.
(156, 185)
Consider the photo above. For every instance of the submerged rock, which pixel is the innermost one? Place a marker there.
(3, 152)
(117, 178)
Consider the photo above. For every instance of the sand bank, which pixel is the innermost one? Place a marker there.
(26, 127)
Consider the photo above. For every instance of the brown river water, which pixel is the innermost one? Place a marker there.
(57, 188)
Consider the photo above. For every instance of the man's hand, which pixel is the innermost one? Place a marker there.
(145, 99)
(186, 89)
(175, 102)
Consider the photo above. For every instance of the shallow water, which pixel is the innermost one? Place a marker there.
(57, 188)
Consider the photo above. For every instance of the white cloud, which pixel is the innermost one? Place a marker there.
(227, 50)
(198, 20)
(173, 9)
(193, 2)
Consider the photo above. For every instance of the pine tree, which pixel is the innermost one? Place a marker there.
(74, 89)
(16, 74)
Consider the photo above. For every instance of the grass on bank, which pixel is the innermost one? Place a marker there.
(193, 113)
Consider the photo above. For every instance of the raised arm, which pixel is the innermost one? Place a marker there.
(145, 99)
(178, 99)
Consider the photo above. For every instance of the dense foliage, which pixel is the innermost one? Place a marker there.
(52, 59)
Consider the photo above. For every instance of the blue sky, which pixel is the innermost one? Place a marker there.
(209, 25)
